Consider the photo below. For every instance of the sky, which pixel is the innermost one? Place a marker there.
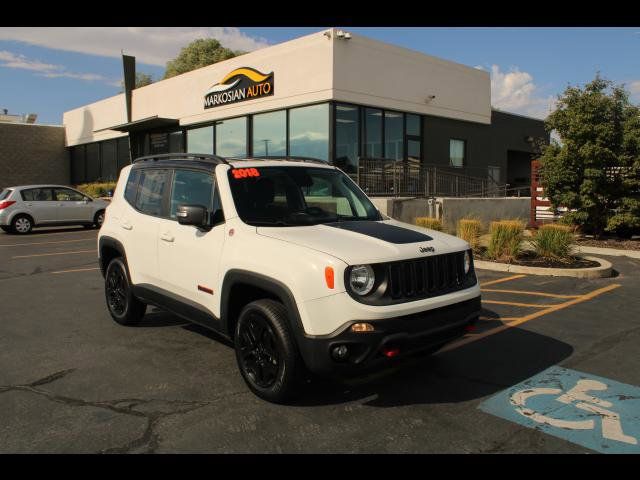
(49, 70)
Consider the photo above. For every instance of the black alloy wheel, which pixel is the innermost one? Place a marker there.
(266, 352)
(259, 351)
(123, 306)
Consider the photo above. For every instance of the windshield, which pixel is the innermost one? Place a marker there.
(290, 196)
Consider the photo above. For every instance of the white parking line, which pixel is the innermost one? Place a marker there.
(77, 270)
(57, 253)
(46, 243)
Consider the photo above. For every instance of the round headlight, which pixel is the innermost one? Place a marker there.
(467, 262)
(361, 279)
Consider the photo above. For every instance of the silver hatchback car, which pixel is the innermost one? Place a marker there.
(29, 206)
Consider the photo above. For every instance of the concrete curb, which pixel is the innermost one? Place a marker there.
(615, 252)
(603, 271)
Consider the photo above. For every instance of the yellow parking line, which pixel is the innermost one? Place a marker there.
(77, 270)
(57, 253)
(500, 280)
(524, 292)
(526, 318)
(502, 319)
(46, 243)
(517, 304)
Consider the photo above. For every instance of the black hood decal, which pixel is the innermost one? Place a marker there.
(382, 231)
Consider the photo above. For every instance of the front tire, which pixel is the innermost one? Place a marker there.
(22, 224)
(98, 219)
(124, 308)
(266, 352)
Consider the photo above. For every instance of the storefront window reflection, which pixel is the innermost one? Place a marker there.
(231, 137)
(309, 131)
(270, 134)
(347, 128)
(200, 140)
(373, 133)
(393, 137)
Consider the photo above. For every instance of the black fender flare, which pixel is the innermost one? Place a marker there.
(269, 284)
(111, 242)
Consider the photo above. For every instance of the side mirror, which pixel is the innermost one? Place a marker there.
(217, 217)
(195, 215)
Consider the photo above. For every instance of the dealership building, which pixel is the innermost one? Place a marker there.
(332, 95)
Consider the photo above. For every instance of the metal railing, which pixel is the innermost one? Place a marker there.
(381, 177)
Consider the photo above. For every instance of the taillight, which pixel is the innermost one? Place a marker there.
(6, 203)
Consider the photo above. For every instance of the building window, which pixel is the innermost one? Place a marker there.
(457, 152)
(176, 142)
(109, 161)
(270, 134)
(200, 140)
(372, 133)
(309, 131)
(347, 137)
(493, 174)
(124, 157)
(231, 137)
(78, 167)
(413, 135)
(413, 125)
(393, 135)
(93, 162)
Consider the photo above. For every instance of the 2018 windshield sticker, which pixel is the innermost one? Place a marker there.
(239, 173)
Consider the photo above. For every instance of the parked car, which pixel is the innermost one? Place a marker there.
(29, 206)
(288, 259)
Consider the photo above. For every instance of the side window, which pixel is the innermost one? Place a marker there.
(67, 195)
(131, 190)
(191, 188)
(153, 184)
(37, 195)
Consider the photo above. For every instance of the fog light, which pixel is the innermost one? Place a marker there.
(340, 352)
(362, 327)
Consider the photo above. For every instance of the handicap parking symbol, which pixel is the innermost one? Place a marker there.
(595, 412)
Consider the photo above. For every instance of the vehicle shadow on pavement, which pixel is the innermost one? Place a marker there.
(472, 371)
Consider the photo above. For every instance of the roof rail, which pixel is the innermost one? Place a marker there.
(171, 156)
(282, 159)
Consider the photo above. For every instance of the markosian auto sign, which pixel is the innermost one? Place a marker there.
(242, 84)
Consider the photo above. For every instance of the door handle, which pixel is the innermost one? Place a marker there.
(167, 237)
(126, 225)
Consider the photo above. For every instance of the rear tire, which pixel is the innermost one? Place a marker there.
(22, 224)
(266, 351)
(124, 308)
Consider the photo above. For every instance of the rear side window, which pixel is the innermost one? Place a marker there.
(5, 194)
(153, 185)
(37, 195)
(131, 190)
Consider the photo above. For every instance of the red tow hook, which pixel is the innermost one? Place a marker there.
(390, 352)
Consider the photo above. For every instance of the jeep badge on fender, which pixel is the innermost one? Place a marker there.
(314, 279)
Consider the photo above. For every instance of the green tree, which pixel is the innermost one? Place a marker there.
(198, 54)
(142, 80)
(596, 165)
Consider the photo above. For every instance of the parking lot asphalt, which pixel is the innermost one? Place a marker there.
(72, 380)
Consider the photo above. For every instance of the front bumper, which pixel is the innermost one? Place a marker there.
(409, 334)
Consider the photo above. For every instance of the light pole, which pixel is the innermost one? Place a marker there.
(266, 146)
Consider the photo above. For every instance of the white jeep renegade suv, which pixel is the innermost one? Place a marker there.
(288, 259)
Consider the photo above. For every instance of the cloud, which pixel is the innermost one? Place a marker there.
(48, 70)
(515, 91)
(150, 45)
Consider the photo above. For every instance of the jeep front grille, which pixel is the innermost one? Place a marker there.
(426, 277)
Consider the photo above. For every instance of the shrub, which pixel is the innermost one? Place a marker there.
(553, 241)
(506, 239)
(97, 189)
(469, 230)
(429, 222)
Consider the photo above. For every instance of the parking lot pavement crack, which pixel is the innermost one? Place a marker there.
(601, 346)
(52, 378)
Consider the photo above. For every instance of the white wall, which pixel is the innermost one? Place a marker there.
(306, 70)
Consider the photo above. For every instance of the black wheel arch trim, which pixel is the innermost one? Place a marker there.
(264, 282)
(111, 242)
